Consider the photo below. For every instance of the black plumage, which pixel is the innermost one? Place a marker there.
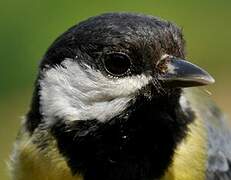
(140, 142)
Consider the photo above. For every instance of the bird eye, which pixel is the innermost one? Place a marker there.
(117, 63)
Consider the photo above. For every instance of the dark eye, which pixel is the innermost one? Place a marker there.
(117, 64)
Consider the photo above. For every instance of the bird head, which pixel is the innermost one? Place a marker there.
(98, 67)
(116, 75)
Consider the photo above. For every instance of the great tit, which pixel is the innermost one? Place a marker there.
(113, 100)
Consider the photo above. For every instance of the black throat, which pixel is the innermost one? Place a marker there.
(137, 145)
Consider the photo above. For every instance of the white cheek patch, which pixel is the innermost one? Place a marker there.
(75, 93)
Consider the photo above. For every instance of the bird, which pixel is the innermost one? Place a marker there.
(116, 99)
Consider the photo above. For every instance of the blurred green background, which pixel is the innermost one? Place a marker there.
(28, 27)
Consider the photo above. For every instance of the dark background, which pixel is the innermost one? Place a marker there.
(28, 27)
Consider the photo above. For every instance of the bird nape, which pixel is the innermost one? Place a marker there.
(110, 102)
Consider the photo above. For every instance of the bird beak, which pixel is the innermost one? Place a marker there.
(174, 72)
